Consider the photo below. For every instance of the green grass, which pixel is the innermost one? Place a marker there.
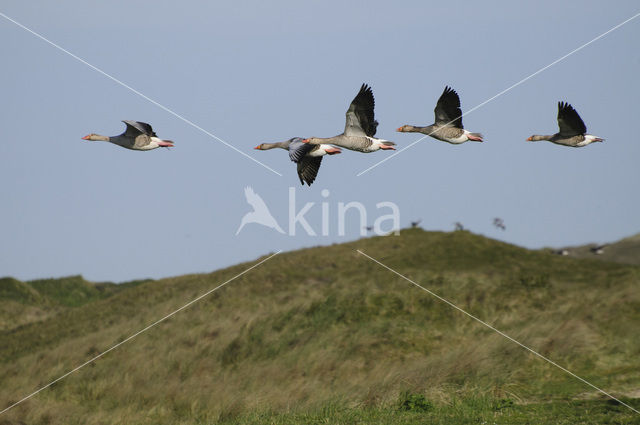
(324, 335)
(460, 411)
(33, 301)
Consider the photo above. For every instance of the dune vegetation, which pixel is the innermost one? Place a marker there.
(325, 335)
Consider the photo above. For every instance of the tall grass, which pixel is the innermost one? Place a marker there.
(326, 328)
(33, 301)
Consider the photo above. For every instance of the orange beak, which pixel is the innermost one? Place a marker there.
(528, 139)
(399, 129)
(257, 147)
(305, 141)
(86, 137)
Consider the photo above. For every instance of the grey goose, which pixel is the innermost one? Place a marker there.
(138, 136)
(448, 122)
(360, 126)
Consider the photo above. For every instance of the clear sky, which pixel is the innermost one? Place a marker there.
(251, 72)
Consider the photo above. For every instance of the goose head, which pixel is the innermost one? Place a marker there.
(537, 138)
(95, 137)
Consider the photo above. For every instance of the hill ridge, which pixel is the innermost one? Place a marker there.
(326, 325)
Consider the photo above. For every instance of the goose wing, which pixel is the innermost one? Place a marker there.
(448, 110)
(569, 121)
(308, 169)
(298, 150)
(135, 128)
(360, 115)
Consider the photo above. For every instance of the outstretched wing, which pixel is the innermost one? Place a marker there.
(448, 110)
(298, 150)
(360, 115)
(135, 128)
(308, 169)
(569, 121)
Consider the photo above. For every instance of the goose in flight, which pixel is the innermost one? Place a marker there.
(499, 223)
(307, 156)
(260, 213)
(572, 129)
(138, 136)
(448, 126)
(360, 127)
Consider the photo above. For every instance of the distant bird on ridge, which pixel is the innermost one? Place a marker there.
(598, 249)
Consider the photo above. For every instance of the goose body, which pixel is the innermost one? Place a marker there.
(360, 127)
(364, 144)
(572, 129)
(448, 121)
(138, 136)
(308, 157)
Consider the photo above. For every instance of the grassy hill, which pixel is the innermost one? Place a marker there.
(26, 302)
(626, 251)
(325, 335)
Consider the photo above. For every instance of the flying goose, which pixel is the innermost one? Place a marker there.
(499, 223)
(138, 136)
(448, 126)
(360, 127)
(572, 129)
(308, 157)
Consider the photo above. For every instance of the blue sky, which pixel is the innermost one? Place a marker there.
(252, 72)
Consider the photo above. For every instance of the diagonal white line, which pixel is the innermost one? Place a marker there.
(141, 331)
(175, 114)
(506, 90)
(496, 330)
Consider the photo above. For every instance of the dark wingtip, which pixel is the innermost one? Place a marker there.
(564, 105)
(366, 88)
